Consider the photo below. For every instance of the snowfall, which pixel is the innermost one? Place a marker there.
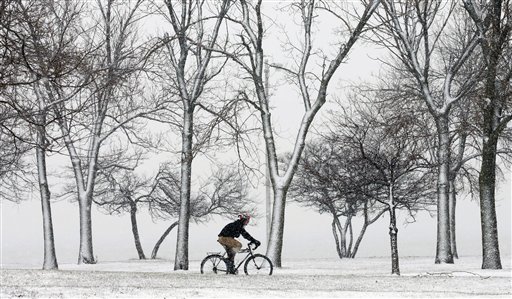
(366, 277)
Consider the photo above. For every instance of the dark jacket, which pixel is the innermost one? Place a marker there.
(234, 230)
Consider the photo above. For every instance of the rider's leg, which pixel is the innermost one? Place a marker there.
(231, 260)
(232, 246)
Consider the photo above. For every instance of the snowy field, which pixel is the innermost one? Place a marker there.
(359, 278)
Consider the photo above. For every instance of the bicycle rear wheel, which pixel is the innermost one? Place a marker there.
(214, 264)
(258, 264)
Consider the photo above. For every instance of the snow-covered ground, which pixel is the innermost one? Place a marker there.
(360, 277)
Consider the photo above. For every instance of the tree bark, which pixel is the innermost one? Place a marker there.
(453, 204)
(443, 249)
(487, 181)
(135, 231)
(162, 238)
(50, 258)
(84, 184)
(367, 222)
(393, 236)
(359, 239)
(181, 259)
(393, 233)
(495, 28)
(85, 254)
(275, 247)
(343, 237)
(348, 252)
(336, 238)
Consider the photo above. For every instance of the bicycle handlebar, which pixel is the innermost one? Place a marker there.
(255, 246)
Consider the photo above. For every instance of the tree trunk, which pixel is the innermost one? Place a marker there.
(85, 190)
(453, 204)
(367, 222)
(393, 236)
(358, 241)
(135, 231)
(492, 112)
(181, 260)
(85, 254)
(343, 236)
(50, 258)
(351, 234)
(336, 239)
(162, 238)
(487, 181)
(443, 250)
(275, 247)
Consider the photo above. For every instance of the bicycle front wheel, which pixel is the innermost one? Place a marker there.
(214, 264)
(258, 264)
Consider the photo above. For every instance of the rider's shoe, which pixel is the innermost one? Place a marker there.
(231, 267)
(233, 271)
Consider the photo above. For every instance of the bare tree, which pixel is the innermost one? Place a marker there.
(15, 146)
(15, 138)
(40, 43)
(249, 54)
(193, 23)
(224, 194)
(119, 190)
(328, 181)
(415, 32)
(493, 22)
(390, 155)
(112, 102)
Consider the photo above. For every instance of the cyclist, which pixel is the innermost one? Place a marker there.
(227, 239)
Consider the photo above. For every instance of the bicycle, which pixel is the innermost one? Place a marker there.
(255, 263)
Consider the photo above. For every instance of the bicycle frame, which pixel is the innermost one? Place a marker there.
(249, 254)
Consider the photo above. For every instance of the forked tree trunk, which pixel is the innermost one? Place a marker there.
(281, 184)
(162, 238)
(135, 231)
(50, 258)
(84, 185)
(340, 236)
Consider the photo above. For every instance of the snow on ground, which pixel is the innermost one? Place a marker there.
(349, 278)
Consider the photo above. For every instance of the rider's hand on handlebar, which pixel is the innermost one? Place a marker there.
(256, 244)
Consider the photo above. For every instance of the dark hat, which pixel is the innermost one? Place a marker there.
(245, 218)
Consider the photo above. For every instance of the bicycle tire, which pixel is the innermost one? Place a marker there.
(214, 264)
(258, 264)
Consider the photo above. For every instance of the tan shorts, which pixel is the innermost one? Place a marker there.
(230, 243)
